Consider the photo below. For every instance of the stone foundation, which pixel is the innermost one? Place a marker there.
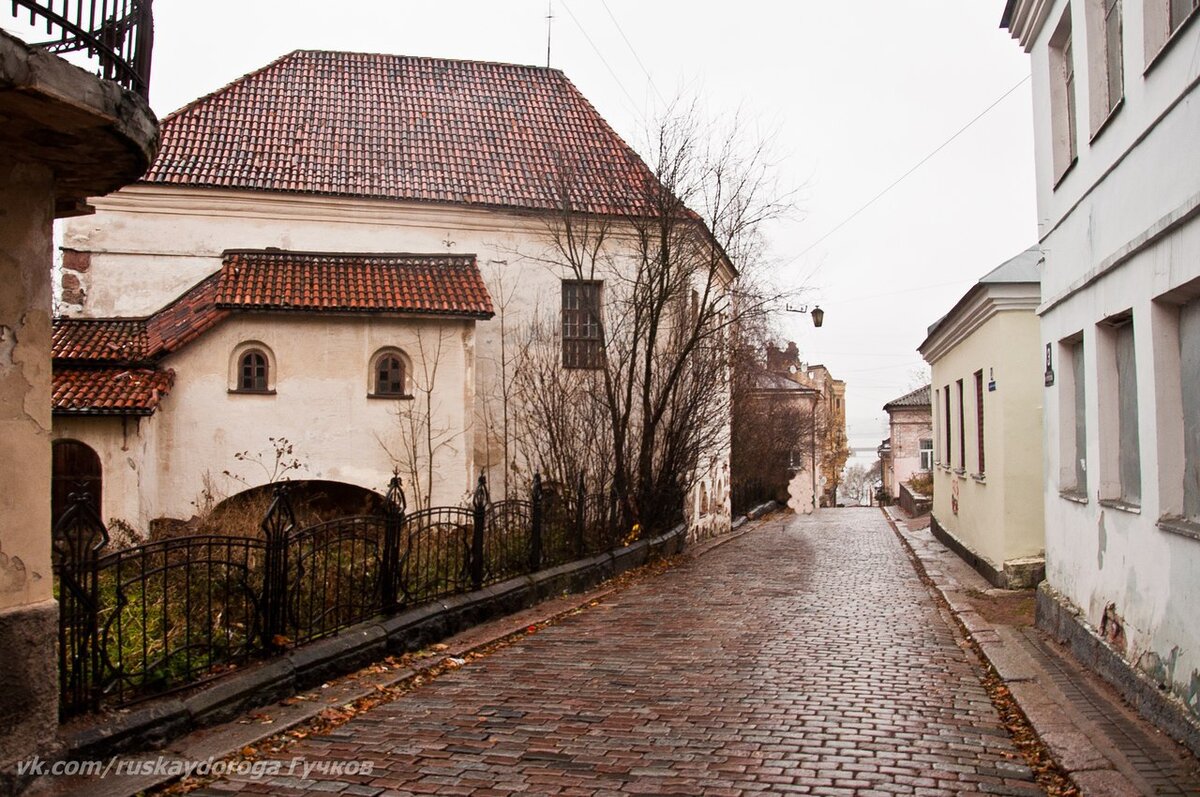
(1063, 621)
(28, 688)
(1015, 574)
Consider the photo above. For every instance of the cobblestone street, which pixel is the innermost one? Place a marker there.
(804, 657)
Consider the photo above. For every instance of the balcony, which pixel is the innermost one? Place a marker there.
(114, 35)
(74, 77)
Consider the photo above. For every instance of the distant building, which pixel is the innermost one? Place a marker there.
(909, 447)
(1116, 104)
(987, 418)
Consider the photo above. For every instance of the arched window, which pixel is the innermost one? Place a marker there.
(253, 369)
(76, 468)
(390, 371)
(389, 376)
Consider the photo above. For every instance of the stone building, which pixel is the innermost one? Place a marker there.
(1116, 109)
(67, 136)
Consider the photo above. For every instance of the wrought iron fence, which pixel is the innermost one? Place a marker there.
(118, 35)
(173, 613)
(749, 493)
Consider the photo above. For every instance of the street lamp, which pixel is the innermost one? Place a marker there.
(818, 315)
(818, 318)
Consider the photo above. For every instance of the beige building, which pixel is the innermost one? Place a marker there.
(908, 450)
(360, 153)
(987, 411)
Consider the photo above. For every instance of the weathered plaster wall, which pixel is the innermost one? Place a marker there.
(320, 405)
(28, 611)
(1121, 232)
(993, 515)
(155, 243)
(26, 216)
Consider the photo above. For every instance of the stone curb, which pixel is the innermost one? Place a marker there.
(246, 728)
(153, 723)
(1003, 650)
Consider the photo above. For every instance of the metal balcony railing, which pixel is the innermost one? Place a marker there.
(116, 35)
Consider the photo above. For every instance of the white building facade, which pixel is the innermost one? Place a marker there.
(1117, 126)
(408, 155)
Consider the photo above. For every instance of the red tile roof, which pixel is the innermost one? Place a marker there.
(118, 340)
(85, 350)
(401, 127)
(348, 282)
(110, 391)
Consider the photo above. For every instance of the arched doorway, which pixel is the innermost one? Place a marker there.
(76, 469)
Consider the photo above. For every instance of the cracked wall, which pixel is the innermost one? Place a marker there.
(26, 219)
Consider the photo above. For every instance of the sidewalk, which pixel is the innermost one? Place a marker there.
(1105, 747)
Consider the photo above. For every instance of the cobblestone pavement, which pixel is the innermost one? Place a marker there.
(804, 657)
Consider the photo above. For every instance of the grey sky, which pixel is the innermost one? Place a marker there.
(857, 93)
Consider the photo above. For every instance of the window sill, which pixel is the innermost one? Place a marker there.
(1175, 36)
(239, 392)
(1107, 120)
(1177, 525)
(979, 477)
(1123, 506)
(960, 472)
(390, 396)
(1058, 180)
(1074, 496)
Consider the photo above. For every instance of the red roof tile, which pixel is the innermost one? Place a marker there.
(100, 340)
(109, 391)
(186, 318)
(401, 127)
(347, 282)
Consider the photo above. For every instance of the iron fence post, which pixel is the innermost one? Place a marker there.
(77, 539)
(535, 532)
(480, 505)
(389, 568)
(277, 526)
(580, 518)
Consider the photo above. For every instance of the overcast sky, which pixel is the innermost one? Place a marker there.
(856, 93)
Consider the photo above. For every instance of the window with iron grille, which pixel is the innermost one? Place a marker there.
(582, 334)
(252, 372)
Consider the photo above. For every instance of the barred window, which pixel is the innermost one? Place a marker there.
(582, 336)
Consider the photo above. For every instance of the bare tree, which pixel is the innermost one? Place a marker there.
(652, 396)
(422, 435)
(857, 484)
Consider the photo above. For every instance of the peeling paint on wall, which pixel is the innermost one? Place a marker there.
(1102, 539)
(1112, 628)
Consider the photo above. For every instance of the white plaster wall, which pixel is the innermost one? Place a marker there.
(162, 241)
(127, 447)
(996, 518)
(1119, 232)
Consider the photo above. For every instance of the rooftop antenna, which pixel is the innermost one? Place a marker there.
(549, 24)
